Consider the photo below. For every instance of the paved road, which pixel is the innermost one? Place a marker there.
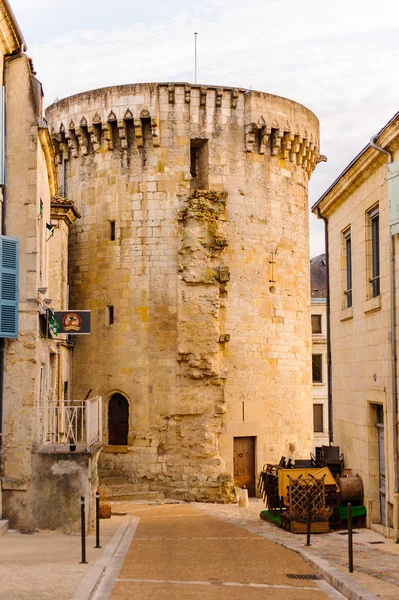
(179, 551)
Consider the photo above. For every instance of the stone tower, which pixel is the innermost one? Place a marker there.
(192, 255)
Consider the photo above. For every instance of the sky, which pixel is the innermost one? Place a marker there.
(339, 58)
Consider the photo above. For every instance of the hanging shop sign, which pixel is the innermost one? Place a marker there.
(73, 321)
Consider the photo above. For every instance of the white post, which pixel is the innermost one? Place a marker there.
(100, 419)
(88, 424)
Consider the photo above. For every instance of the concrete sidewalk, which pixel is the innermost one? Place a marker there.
(46, 565)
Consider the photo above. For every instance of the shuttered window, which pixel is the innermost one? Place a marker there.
(8, 287)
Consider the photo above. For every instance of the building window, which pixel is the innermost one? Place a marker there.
(379, 414)
(112, 231)
(316, 324)
(110, 315)
(317, 368)
(199, 164)
(374, 252)
(318, 418)
(348, 267)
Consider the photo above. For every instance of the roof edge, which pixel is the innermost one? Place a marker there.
(14, 25)
(368, 155)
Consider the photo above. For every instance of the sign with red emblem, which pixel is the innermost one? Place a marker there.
(73, 321)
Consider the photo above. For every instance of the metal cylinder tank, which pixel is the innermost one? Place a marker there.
(192, 255)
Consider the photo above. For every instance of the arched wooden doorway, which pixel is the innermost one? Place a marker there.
(118, 420)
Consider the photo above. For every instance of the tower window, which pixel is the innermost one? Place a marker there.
(199, 164)
(112, 231)
(110, 315)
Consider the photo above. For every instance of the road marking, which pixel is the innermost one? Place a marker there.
(184, 515)
(151, 539)
(224, 583)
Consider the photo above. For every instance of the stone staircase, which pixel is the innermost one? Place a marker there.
(120, 488)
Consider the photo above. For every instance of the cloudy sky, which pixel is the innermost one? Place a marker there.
(339, 58)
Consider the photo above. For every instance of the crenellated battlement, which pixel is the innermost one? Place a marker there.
(134, 115)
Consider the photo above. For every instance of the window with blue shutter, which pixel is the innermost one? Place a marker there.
(8, 287)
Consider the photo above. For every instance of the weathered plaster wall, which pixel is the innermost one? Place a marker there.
(210, 287)
(34, 369)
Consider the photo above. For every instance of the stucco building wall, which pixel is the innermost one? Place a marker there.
(208, 275)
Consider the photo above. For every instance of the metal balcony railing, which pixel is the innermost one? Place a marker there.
(73, 423)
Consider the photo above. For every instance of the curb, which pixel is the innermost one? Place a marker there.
(343, 583)
(112, 556)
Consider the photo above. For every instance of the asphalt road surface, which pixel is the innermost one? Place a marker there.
(178, 552)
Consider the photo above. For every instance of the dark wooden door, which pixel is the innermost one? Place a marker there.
(244, 463)
(118, 420)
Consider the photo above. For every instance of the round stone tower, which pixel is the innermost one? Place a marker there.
(192, 255)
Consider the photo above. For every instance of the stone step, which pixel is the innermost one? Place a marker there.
(122, 481)
(109, 473)
(3, 526)
(132, 496)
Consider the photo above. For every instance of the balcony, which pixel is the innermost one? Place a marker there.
(72, 425)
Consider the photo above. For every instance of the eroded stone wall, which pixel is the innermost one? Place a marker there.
(208, 274)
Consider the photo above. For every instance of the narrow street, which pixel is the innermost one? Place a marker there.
(178, 551)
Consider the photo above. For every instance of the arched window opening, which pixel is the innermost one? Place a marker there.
(118, 420)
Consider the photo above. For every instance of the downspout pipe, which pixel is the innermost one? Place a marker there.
(392, 282)
(328, 318)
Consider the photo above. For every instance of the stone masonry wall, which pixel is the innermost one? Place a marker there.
(208, 275)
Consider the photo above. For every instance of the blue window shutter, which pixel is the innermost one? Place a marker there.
(8, 287)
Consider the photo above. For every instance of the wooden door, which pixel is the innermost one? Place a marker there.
(244, 463)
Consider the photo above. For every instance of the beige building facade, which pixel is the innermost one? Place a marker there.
(41, 480)
(192, 254)
(363, 321)
(318, 292)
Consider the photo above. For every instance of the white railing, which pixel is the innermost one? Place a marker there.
(75, 423)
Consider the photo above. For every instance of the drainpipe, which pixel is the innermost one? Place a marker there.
(328, 318)
(392, 283)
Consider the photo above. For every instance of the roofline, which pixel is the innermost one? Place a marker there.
(353, 162)
(14, 24)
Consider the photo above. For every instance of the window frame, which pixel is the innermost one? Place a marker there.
(373, 217)
(348, 274)
(321, 380)
(320, 417)
(319, 316)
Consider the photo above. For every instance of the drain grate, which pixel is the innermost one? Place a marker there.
(302, 576)
(116, 514)
(346, 533)
(376, 542)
